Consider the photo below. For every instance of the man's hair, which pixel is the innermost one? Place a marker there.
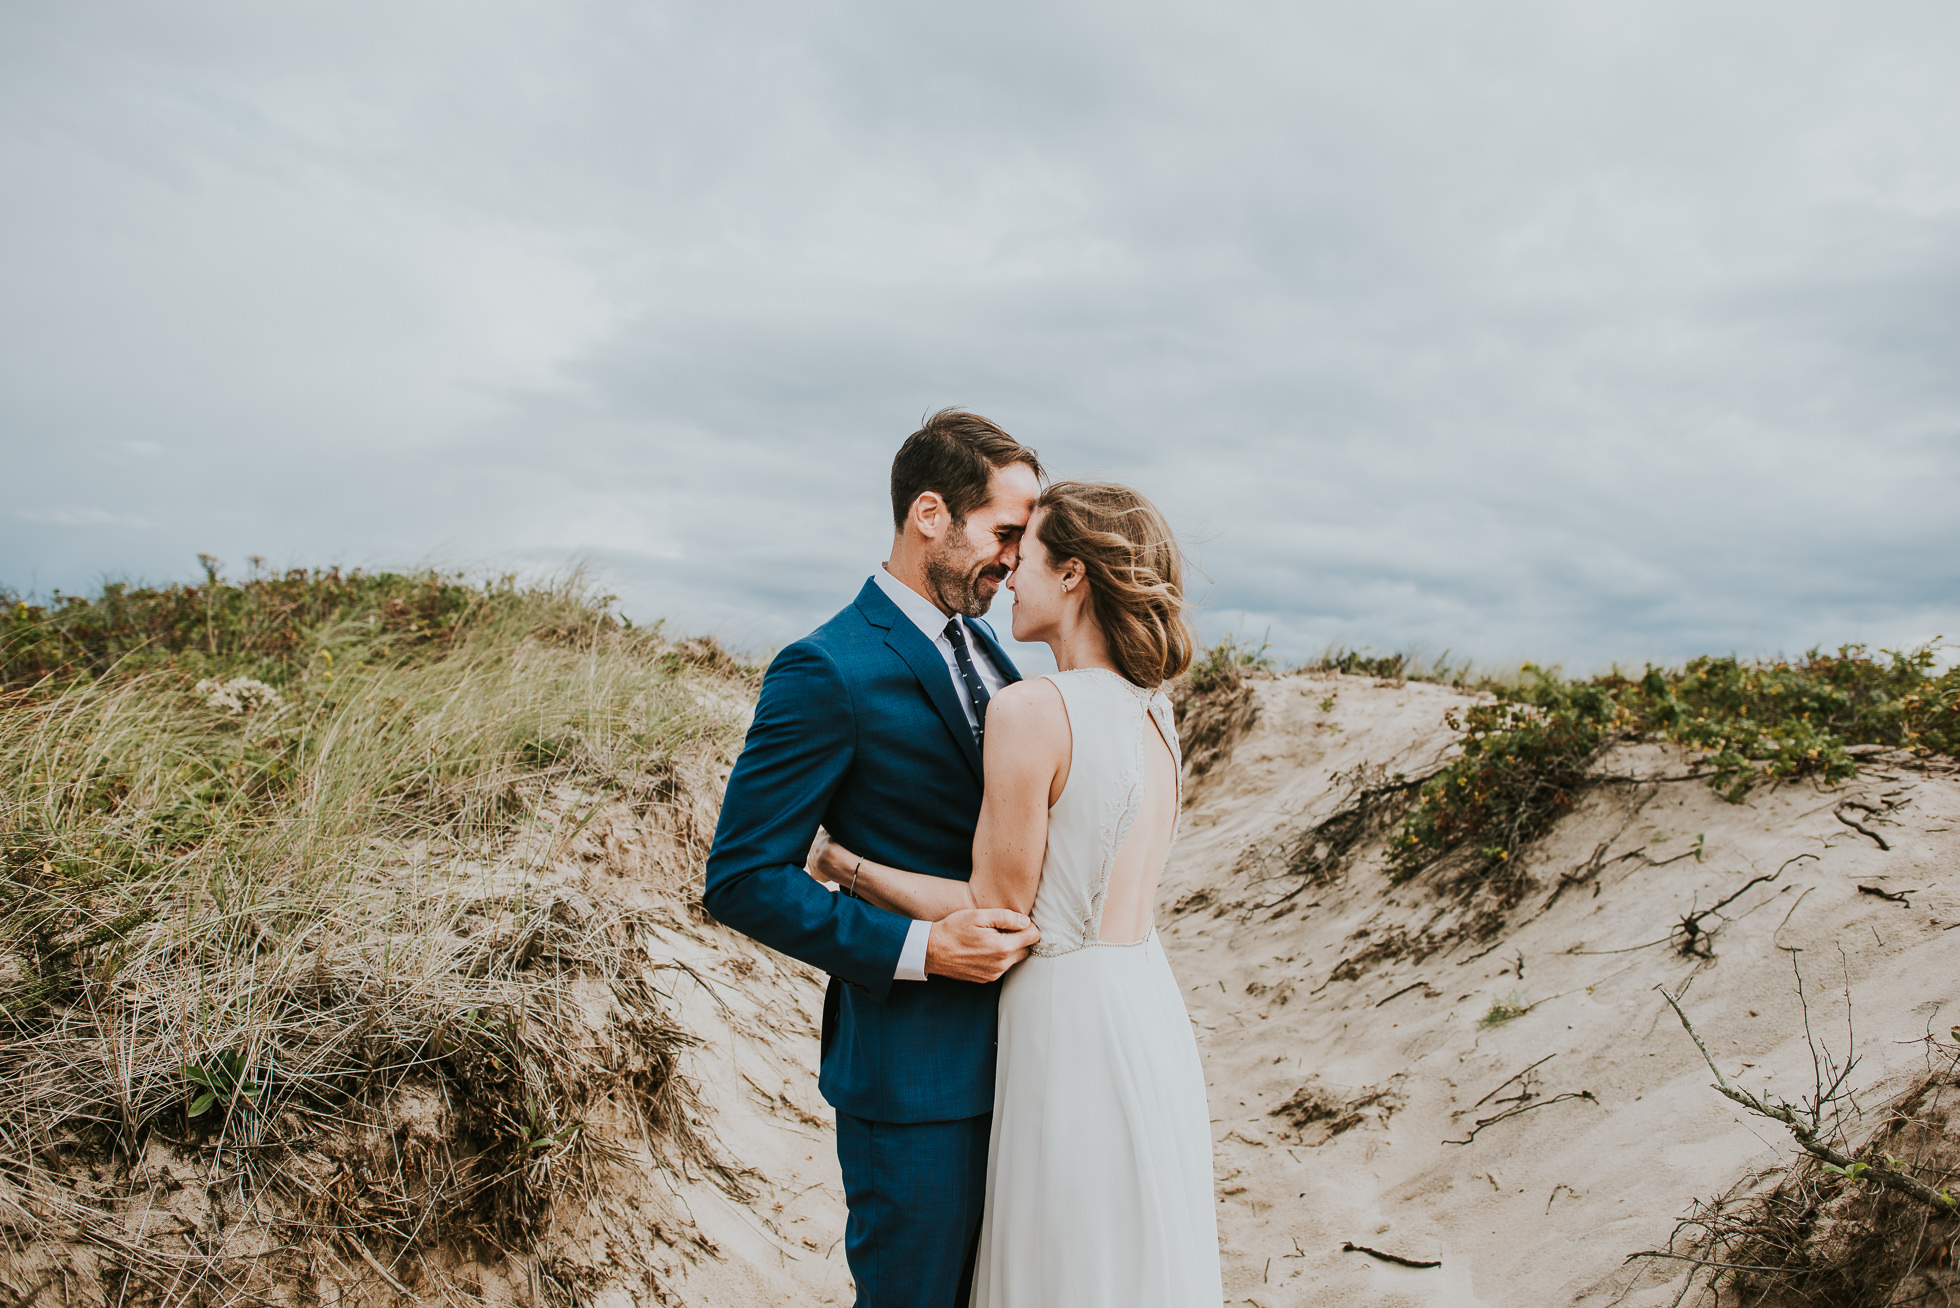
(954, 454)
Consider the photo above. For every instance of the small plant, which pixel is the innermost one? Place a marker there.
(1509, 1008)
(1521, 768)
(225, 1079)
(538, 1132)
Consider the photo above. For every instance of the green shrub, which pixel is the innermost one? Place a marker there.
(1527, 755)
(270, 627)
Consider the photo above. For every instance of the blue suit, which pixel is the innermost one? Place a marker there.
(859, 728)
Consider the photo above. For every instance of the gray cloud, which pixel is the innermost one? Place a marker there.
(1528, 331)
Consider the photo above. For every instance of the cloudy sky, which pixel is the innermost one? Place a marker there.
(1569, 331)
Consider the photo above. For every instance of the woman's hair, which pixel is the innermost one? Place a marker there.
(1134, 571)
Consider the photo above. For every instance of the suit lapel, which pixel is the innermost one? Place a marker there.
(920, 655)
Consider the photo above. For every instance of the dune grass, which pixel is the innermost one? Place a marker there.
(1413, 664)
(274, 853)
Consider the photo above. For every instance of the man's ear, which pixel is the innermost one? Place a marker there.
(928, 516)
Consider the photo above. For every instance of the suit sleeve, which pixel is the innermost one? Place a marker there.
(799, 749)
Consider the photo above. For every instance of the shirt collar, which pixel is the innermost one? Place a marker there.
(925, 615)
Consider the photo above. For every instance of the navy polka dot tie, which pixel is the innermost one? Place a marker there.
(976, 690)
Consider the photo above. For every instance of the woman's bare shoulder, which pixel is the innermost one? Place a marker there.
(1027, 700)
(1028, 710)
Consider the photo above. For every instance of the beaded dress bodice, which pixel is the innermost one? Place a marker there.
(1109, 722)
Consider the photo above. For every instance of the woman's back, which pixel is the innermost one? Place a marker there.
(1110, 830)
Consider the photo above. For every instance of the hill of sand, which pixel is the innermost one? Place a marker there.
(1360, 1036)
(1489, 1085)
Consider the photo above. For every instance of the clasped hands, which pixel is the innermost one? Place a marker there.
(965, 944)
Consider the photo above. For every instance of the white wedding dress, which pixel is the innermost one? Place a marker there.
(1099, 1183)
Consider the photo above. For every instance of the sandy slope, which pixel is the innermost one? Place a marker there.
(1541, 1208)
(1387, 1065)
(757, 1014)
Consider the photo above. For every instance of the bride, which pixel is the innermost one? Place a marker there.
(1099, 1186)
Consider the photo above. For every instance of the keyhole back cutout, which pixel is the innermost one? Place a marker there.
(1128, 906)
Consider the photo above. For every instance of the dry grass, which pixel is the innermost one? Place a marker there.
(301, 985)
(1215, 706)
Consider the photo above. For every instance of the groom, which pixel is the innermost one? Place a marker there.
(871, 727)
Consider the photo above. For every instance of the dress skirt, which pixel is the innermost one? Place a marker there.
(1099, 1179)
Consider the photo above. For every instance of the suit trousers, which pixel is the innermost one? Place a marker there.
(914, 1191)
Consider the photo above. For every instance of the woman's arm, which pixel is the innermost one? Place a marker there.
(910, 894)
(1027, 753)
(1027, 757)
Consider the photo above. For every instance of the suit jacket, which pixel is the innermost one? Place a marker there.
(859, 729)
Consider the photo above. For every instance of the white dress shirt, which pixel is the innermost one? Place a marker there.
(925, 615)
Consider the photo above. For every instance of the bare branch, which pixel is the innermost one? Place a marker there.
(1806, 1132)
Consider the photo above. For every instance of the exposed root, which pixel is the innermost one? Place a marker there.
(1321, 854)
(1842, 814)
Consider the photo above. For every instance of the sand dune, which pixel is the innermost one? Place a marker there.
(1345, 1022)
(1541, 1208)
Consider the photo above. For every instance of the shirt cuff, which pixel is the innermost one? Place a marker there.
(912, 958)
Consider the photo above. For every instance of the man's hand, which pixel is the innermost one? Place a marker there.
(978, 944)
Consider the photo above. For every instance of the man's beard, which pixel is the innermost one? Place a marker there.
(955, 582)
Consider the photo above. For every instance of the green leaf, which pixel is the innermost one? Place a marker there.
(202, 1104)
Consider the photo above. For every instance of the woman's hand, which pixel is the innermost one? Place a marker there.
(829, 862)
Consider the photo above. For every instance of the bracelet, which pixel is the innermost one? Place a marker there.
(853, 891)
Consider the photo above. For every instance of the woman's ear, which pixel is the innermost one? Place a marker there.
(1072, 573)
